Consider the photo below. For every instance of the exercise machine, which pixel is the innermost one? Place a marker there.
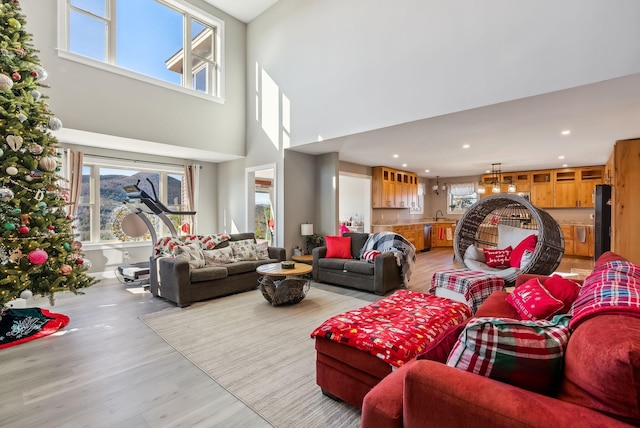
(141, 203)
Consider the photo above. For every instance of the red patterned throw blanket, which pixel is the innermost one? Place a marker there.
(396, 328)
(612, 288)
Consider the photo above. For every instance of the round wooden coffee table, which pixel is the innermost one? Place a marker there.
(275, 269)
(289, 290)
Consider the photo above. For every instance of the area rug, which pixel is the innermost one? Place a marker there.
(24, 324)
(260, 353)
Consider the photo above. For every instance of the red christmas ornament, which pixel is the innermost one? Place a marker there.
(37, 257)
(69, 217)
(34, 73)
(79, 261)
(51, 227)
(23, 229)
(16, 76)
(65, 269)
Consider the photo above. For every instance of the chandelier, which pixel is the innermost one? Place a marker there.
(496, 181)
(437, 188)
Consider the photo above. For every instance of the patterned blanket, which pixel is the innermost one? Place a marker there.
(403, 250)
(396, 328)
(612, 288)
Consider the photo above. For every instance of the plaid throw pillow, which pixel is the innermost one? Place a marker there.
(527, 354)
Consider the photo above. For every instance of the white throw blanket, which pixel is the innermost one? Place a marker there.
(403, 250)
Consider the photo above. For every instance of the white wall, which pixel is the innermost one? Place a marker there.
(355, 199)
(348, 67)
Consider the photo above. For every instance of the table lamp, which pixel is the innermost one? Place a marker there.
(306, 230)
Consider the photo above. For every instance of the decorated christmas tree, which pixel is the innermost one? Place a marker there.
(38, 252)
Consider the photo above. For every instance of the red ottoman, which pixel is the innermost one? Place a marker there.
(357, 349)
(471, 286)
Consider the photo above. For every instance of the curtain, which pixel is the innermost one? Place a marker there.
(461, 189)
(72, 161)
(192, 179)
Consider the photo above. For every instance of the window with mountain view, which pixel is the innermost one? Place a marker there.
(166, 40)
(102, 208)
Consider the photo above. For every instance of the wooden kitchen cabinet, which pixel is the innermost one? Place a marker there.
(391, 188)
(439, 234)
(413, 233)
(574, 187)
(567, 232)
(542, 188)
(583, 241)
(625, 203)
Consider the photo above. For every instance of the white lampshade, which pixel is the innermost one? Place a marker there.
(306, 229)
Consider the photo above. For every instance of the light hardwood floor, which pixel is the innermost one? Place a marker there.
(108, 369)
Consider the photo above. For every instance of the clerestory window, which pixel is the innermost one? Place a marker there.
(162, 41)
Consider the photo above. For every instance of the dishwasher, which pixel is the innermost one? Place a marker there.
(427, 237)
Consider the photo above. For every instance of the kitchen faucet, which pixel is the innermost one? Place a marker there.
(439, 211)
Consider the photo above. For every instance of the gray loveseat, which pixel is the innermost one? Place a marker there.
(378, 277)
(183, 285)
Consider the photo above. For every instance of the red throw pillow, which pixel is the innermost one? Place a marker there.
(497, 258)
(533, 301)
(528, 243)
(369, 256)
(338, 247)
(563, 289)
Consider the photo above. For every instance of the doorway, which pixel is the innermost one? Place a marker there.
(261, 203)
(354, 202)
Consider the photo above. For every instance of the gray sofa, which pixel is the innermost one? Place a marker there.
(181, 284)
(378, 277)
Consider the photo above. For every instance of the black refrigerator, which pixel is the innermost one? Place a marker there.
(602, 226)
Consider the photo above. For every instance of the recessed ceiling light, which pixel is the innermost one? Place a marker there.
(404, 165)
(466, 146)
(487, 171)
(566, 132)
(426, 170)
(396, 156)
(561, 157)
(564, 165)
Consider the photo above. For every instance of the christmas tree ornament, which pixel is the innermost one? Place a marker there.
(3, 51)
(15, 255)
(9, 226)
(6, 194)
(51, 227)
(39, 195)
(11, 170)
(1, 152)
(28, 177)
(40, 73)
(66, 246)
(16, 76)
(37, 257)
(42, 206)
(14, 141)
(36, 149)
(79, 261)
(65, 269)
(87, 263)
(20, 51)
(25, 219)
(26, 294)
(35, 94)
(23, 230)
(5, 82)
(22, 117)
(47, 163)
(36, 173)
(14, 24)
(55, 124)
(76, 245)
(16, 211)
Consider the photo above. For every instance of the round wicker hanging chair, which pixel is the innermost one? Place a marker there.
(479, 227)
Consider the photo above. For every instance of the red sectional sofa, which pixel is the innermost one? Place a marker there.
(600, 386)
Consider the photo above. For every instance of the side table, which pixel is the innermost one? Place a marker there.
(307, 259)
(472, 287)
